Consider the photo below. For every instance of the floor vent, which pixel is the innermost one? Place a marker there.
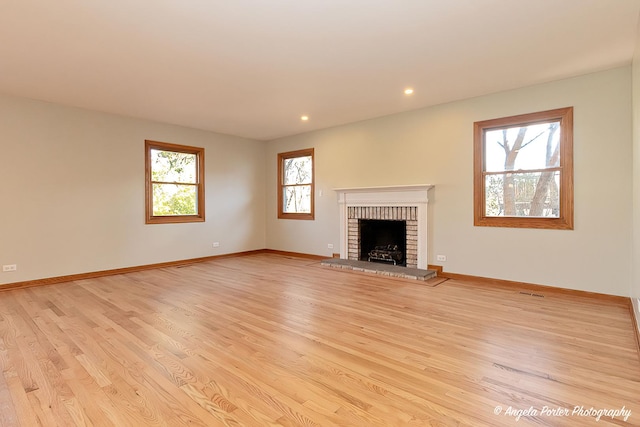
(532, 294)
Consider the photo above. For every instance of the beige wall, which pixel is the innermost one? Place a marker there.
(635, 283)
(72, 188)
(434, 146)
(72, 192)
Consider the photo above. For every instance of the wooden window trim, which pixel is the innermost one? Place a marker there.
(281, 158)
(565, 219)
(173, 219)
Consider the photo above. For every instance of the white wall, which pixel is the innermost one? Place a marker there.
(434, 146)
(72, 192)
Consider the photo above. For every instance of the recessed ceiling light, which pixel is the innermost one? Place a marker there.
(304, 118)
(408, 91)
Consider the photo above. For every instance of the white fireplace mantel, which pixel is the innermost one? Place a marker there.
(400, 195)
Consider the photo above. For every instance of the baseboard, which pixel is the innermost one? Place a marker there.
(437, 268)
(625, 301)
(440, 272)
(635, 316)
(103, 273)
(295, 254)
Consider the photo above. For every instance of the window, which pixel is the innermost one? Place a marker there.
(174, 177)
(295, 184)
(523, 171)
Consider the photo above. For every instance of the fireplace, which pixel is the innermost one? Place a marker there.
(405, 205)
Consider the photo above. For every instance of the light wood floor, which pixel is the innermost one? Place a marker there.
(266, 340)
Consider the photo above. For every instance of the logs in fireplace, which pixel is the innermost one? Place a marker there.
(389, 253)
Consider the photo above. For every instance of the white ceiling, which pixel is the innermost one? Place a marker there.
(253, 67)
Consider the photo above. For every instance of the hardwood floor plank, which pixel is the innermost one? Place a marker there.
(251, 407)
(26, 414)
(274, 340)
(97, 407)
(8, 415)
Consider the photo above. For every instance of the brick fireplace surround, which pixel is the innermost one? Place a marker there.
(407, 203)
(393, 213)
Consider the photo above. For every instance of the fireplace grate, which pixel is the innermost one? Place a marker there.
(387, 253)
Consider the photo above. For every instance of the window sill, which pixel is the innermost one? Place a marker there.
(174, 219)
(302, 216)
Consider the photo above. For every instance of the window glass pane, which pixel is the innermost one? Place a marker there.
(523, 194)
(170, 166)
(172, 199)
(528, 147)
(297, 199)
(297, 170)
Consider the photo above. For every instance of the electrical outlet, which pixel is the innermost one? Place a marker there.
(441, 257)
(216, 244)
(330, 246)
(10, 267)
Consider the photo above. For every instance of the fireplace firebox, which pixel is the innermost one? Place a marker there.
(383, 241)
